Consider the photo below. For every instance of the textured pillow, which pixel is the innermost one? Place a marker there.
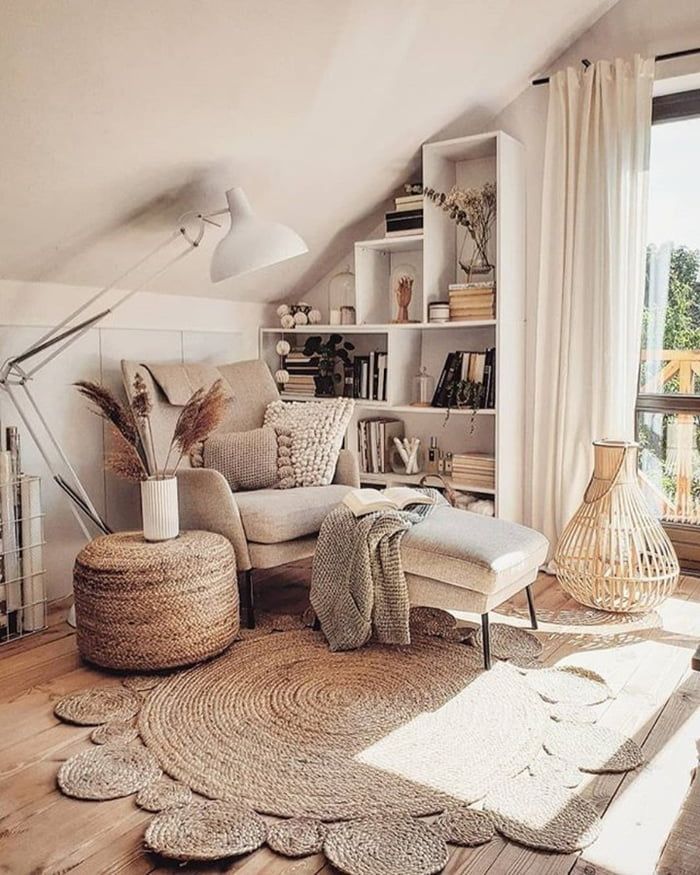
(310, 436)
(247, 459)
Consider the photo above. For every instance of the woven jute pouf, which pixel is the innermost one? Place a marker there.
(108, 772)
(296, 837)
(541, 814)
(464, 826)
(205, 831)
(96, 706)
(142, 605)
(163, 793)
(386, 846)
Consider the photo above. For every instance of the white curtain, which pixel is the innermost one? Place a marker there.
(591, 283)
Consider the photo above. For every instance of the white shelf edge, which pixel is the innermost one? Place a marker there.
(415, 478)
(380, 328)
(365, 404)
(401, 241)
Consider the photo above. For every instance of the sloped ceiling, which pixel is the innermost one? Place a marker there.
(118, 115)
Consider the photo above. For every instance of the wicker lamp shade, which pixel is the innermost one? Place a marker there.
(614, 554)
(145, 606)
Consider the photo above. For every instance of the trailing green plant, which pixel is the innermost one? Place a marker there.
(465, 395)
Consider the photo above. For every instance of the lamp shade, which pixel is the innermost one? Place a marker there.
(251, 242)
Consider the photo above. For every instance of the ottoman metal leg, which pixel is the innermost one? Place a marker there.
(486, 642)
(246, 590)
(531, 607)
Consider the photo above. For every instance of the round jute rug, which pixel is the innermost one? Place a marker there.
(295, 730)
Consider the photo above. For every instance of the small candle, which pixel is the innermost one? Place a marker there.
(334, 317)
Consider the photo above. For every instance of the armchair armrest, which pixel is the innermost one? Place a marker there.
(206, 502)
(347, 471)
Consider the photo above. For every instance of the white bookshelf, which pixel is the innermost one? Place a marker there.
(468, 162)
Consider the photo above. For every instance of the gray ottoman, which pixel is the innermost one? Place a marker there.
(462, 561)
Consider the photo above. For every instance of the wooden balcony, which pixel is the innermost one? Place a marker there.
(681, 366)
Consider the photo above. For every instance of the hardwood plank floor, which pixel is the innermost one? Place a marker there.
(651, 818)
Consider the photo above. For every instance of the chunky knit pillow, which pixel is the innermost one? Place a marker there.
(310, 435)
(247, 459)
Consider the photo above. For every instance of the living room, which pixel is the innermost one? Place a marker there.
(349, 446)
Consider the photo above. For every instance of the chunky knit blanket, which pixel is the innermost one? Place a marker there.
(358, 587)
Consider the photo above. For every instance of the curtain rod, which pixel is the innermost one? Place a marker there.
(666, 57)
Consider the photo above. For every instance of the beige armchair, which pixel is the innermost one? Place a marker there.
(268, 527)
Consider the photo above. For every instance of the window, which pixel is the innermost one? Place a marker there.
(668, 404)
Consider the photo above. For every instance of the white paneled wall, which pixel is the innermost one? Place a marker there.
(97, 356)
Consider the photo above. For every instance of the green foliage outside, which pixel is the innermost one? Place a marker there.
(681, 330)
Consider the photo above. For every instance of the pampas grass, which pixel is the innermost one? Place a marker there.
(199, 417)
(125, 460)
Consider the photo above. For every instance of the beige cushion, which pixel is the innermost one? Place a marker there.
(310, 437)
(272, 516)
(247, 459)
(469, 550)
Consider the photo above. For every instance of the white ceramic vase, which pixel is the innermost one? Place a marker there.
(159, 510)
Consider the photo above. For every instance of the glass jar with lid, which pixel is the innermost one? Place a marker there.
(341, 295)
(423, 388)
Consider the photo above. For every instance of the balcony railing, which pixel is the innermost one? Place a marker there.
(671, 390)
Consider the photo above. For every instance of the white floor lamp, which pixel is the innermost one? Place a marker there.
(250, 244)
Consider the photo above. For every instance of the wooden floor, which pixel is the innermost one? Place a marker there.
(651, 817)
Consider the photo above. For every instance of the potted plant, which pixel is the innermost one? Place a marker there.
(326, 356)
(134, 454)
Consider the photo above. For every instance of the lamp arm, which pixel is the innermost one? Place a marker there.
(63, 335)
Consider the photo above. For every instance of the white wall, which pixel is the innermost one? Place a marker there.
(150, 327)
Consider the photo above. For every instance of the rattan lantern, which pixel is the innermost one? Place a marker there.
(614, 554)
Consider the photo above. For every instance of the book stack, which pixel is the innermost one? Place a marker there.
(474, 469)
(370, 376)
(301, 369)
(472, 302)
(407, 216)
(467, 366)
(375, 437)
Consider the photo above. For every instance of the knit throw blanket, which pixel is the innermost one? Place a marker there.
(358, 587)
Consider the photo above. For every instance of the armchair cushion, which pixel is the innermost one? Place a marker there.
(272, 516)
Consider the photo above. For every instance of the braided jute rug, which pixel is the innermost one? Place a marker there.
(377, 738)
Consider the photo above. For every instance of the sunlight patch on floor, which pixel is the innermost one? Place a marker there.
(489, 731)
(638, 822)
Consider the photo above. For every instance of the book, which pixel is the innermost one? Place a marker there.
(408, 200)
(409, 204)
(364, 501)
(375, 438)
(458, 287)
(403, 224)
(404, 215)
